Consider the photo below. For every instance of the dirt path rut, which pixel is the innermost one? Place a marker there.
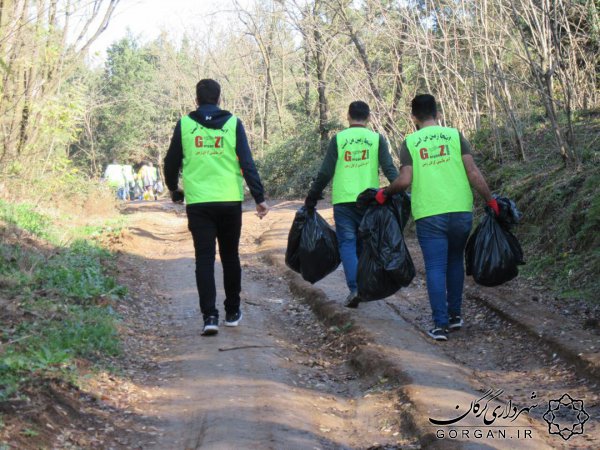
(274, 382)
(283, 380)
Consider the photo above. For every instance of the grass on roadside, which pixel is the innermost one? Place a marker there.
(561, 210)
(24, 216)
(63, 302)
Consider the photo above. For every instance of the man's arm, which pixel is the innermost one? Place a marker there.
(173, 160)
(242, 149)
(475, 178)
(401, 183)
(325, 172)
(385, 160)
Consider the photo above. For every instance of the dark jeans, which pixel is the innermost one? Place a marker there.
(442, 239)
(347, 220)
(223, 222)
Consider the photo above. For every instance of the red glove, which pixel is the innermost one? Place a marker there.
(381, 197)
(494, 205)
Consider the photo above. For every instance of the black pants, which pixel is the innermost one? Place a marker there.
(223, 222)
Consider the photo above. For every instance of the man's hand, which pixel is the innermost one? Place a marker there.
(310, 202)
(380, 196)
(262, 210)
(177, 196)
(494, 205)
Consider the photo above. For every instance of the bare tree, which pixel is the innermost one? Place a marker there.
(38, 53)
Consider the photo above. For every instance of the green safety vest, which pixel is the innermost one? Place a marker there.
(357, 166)
(440, 184)
(211, 170)
(114, 175)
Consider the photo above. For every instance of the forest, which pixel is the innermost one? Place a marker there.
(519, 78)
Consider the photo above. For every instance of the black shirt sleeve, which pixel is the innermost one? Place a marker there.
(247, 165)
(326, 171)
(465, 147)
(173, 159)
(405, 158)
(385, 160)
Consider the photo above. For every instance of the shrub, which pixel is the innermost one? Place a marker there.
(288, 167)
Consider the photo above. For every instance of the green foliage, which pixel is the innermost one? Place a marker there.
(67, 180)
(29, 432)
(124, 123)
(60, 333)
(78, 273)
(561, 211)
(288, 168)
(134, 103)
(97, 232)
(24, 216)
(343, 329)
(66, 296)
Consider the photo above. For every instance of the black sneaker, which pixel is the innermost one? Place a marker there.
(455, 323)
(438, 334)
(211, 326)
(233, 319)
(352, 300)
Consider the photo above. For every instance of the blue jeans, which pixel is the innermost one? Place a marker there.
(442, 239)
(347, 220)
(122, 193)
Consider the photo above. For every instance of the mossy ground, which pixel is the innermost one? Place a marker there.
(560, 231)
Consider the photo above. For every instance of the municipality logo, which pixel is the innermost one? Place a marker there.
(566, 417)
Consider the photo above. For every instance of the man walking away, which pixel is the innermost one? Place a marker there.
(438, 162)
(211, 147)
(139, 185)
(147, 175)
(115, 178)
(129, 181)
(158, 185)
(154, 178)
(352, 160)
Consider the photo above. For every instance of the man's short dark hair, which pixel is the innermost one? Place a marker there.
(208, 92)
(359, 111)
(424, 107)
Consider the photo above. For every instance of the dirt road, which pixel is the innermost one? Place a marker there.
(278, 381)
(282, 380)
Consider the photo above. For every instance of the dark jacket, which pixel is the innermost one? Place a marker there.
(211, 116)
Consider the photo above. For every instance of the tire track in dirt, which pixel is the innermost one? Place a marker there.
(283, 384)
(496, 353)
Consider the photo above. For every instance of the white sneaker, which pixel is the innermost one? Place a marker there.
(211, 326)
(233, 320)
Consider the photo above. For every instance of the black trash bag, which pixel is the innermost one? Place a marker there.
(384, 265)
(509, 213)
(292, 253)
(312, 248)
(400, 203)
(492, 253)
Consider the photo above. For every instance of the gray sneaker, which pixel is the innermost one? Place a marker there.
(455, 323)
(438, 334)
(352, 300)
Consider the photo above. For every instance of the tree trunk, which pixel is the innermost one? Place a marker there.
(321, 87)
